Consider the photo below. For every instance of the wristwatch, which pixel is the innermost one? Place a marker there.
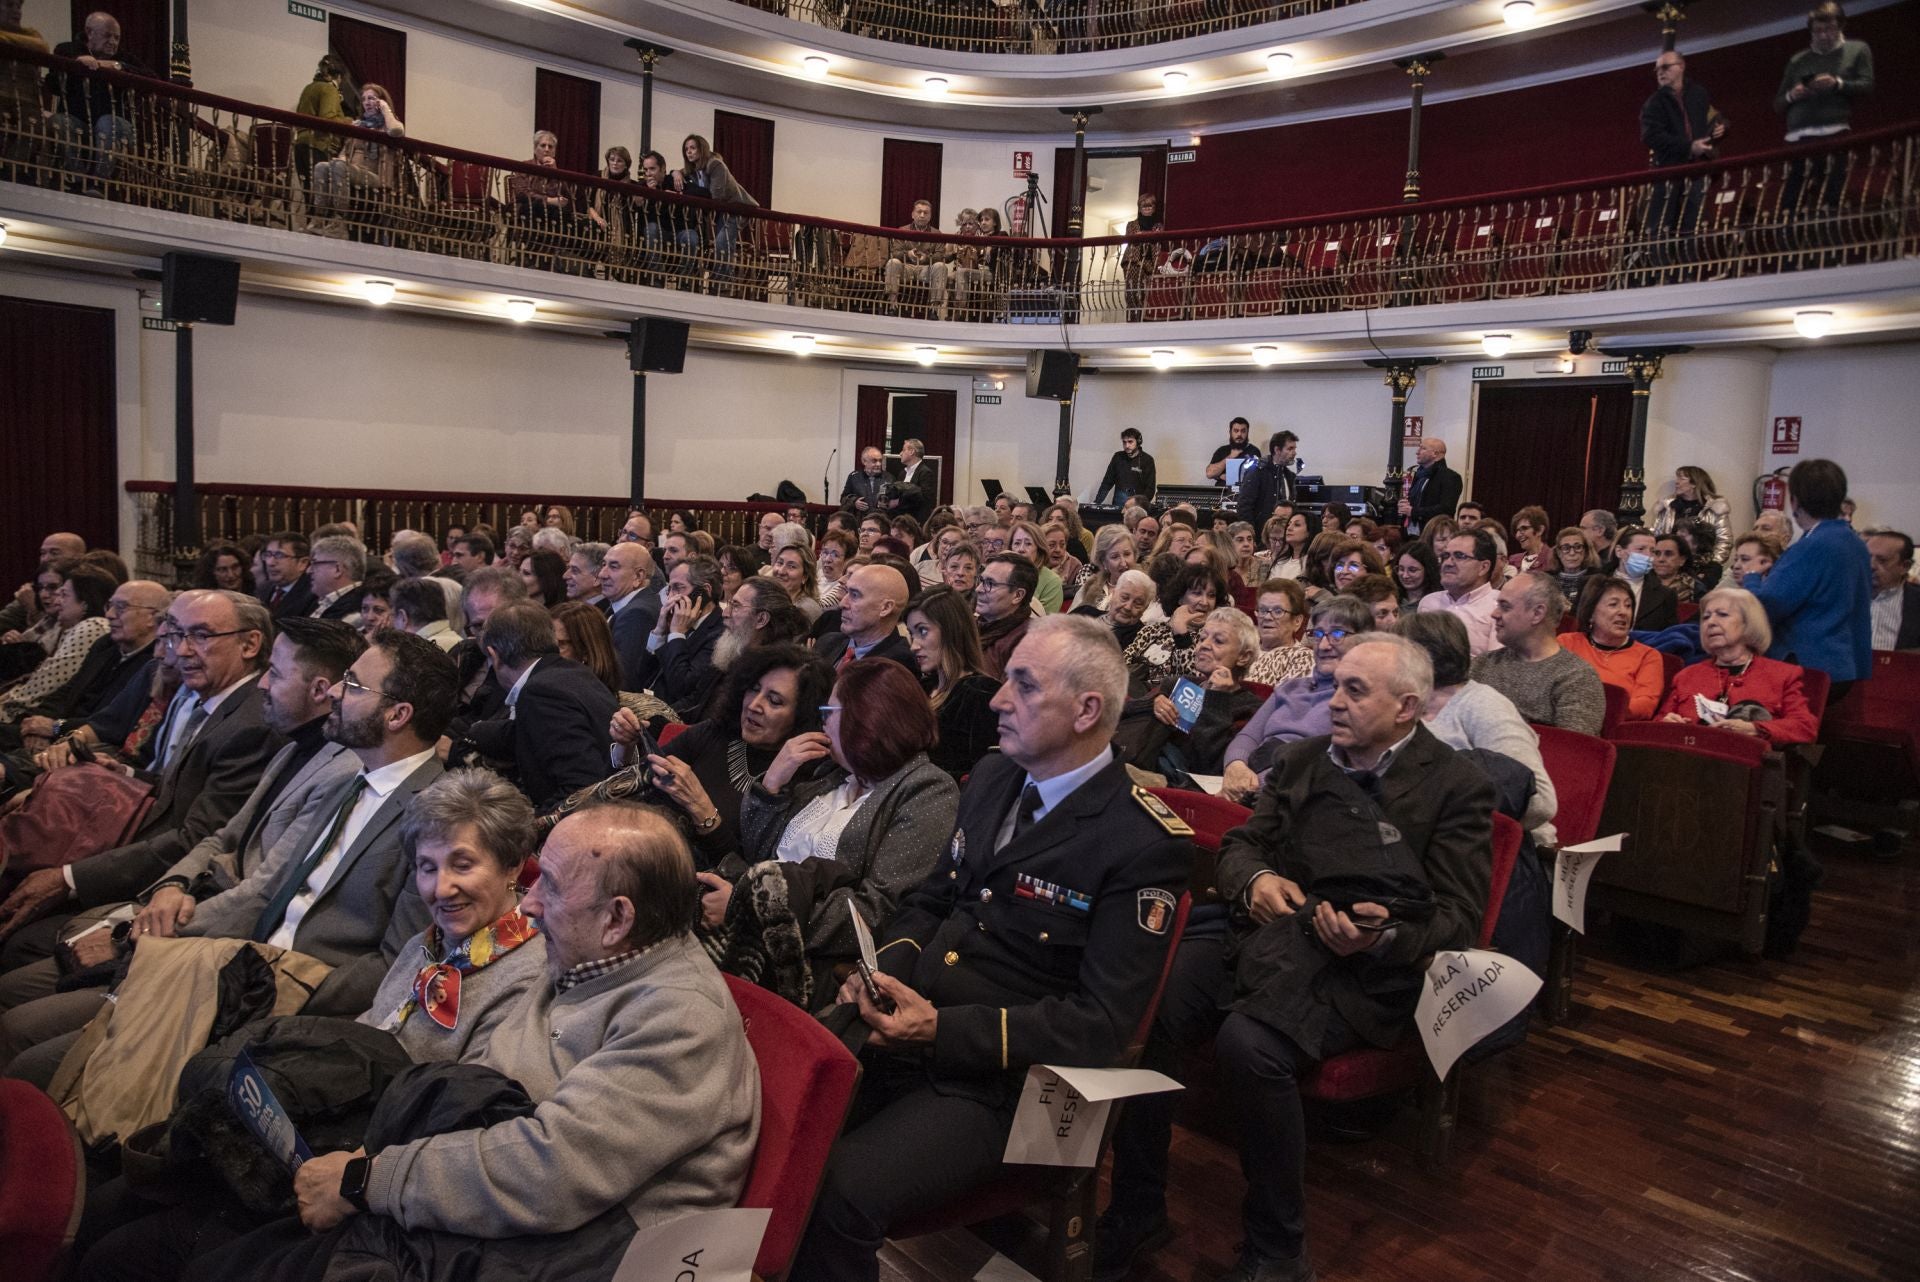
(704, 826)
(353, 1181)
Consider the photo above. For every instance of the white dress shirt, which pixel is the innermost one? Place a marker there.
(380, 785)
(1886, 616)
(1475, 609)
(814, 833)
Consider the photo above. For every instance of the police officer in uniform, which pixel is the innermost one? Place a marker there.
(1366, 852)
(1038, 940)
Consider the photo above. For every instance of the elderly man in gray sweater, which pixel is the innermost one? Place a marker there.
(646, 1091)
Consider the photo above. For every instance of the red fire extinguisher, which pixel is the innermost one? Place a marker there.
(1770, 491)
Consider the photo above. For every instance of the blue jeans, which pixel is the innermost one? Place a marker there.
(110, 134)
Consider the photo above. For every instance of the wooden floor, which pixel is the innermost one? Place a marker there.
(1745, 1122)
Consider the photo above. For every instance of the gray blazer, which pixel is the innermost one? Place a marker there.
(360, 921)
(892, 843)
(195, 796)
(322, 775)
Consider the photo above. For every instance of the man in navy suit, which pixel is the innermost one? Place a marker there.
(633, 608)
(1896, 602)
(1435, 488)
(555, 725)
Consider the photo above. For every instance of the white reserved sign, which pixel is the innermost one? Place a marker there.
(1572, 869)
(1468, 995)
(1063, 1111)
(707, 1246)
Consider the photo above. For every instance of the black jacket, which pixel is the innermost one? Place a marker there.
(894, 646)
(631, 627)
(556, 732)
(1265, 488)
(1436, 493)
(1659, 606)
(1664, 122)
(918, 497)
(686, 676)
(1909, 638)
(297, 601)
(103, 674)
(1134, 475)
(1047, 951)
(861, 486)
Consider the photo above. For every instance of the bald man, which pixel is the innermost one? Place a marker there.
(18, 612)
(1434, 489)
(92, 122)
(871, 607)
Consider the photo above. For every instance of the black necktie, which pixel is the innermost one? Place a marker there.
(276, 910)
(1029, 807)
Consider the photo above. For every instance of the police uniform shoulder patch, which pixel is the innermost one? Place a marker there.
(1161, 813)
(1154, 908)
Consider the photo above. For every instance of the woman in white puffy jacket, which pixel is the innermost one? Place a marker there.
(1695, 499)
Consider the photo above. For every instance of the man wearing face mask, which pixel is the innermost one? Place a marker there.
(1655, 606)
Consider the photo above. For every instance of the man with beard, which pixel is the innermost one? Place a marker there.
(684, 640)
(331, 885)
(871, 606)
(554, 727)
(760, 613)
(1237, 446)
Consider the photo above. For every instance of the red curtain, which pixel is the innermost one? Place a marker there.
(1561, 447)
(909, 171)
(569, 107)
(373, 55)
(746, 144)
(869, 423)
(58, 430)
(937, 434)
(144, 28)
(1062, 198)
(1558, 132)
(1153, 176)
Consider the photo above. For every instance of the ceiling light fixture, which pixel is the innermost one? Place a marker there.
(521, 310)
(1496, 345)
(1175, 81)
(1518, 13)
(816, 66)
(1265, 354)
(1280, 63)
(1162, 357)
(1814, 323)
(378, 292)
(802, 344)
(935, 85)
(926, 355)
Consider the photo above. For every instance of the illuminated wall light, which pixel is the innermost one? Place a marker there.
(802, 344)
(378, 292)
(1279, 64)
(935, 85)
(1813, 323)
(1175, 81)
(1162, 357)
(1496, 345)
(1265, 354)
(1518, 13)
(926, 355)
(815, 66)
(521, 310)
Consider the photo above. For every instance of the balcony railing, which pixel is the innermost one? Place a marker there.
(1038, 26)
(1849, 201)
(232, 512)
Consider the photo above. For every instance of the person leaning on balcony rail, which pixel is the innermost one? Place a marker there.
(91, 119)
(1679, 126)
(917, 260)
(706, 174)
(321, 98)
(612, 212)
(1816, 95)
(362, 165)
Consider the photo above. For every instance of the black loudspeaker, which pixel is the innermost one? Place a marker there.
(1051, 375)
(656, 345)
(196, 288)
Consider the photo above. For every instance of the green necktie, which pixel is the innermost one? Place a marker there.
(276, 909)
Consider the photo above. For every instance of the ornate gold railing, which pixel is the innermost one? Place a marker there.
(233, 512)
(1849, 201)
(1038, 26)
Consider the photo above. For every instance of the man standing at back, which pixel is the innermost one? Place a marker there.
(1816, 95)
(1038, 940)
(1237, 446)
(1269, 484)
(1433, 490)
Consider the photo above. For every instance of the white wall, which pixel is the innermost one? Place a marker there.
(1709, 409)
(1857, 406)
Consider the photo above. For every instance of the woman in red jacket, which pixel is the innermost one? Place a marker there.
(1733, 632)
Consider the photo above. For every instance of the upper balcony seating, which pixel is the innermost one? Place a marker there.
(198, 154)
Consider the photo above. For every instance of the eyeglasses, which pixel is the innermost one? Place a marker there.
(1458, 556)
(995, 584)
(348, 684)
(825, 708)
(1329, 634)
(1572, 549)
(199, 636)
(323, 563)
(121, 607)
(1272, 612)
(278, 556)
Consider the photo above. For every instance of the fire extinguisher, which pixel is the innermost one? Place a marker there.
(1770, 491)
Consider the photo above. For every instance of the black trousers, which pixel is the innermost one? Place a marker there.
(1259, 1070)
(907, 1149)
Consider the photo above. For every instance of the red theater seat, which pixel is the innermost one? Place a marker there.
(42, 1183)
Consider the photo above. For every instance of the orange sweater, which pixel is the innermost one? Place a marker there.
(1636, 669)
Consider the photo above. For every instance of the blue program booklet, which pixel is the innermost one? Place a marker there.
(255, 1104)
(1189, 697)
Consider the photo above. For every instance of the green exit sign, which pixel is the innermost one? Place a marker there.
(312, 11)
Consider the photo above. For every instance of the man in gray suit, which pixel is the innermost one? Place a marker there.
(309, 656)
(209, 752)
(332, 887)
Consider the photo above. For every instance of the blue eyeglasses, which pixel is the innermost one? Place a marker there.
(1322, 634)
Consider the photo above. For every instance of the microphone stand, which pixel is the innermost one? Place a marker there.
(826, 477)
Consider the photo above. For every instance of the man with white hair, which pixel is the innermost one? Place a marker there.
(1367, 851)
(554, 540)
(92, 120)
(335, 568)
(1038, 939)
